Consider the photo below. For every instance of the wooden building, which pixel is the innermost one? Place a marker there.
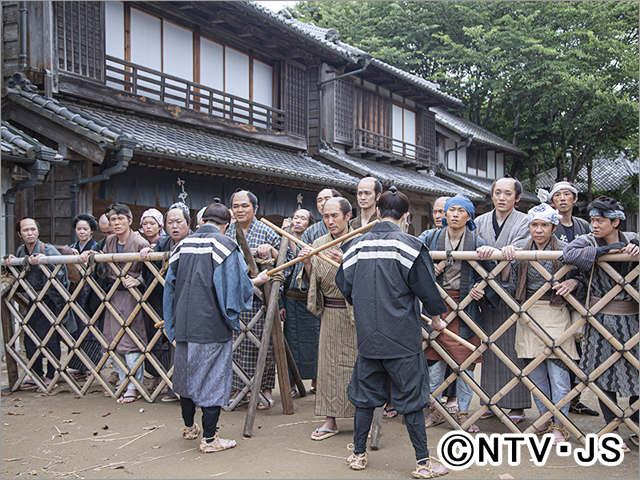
(154, 102)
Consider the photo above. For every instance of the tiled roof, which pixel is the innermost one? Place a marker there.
(201, 146)
(483, 184)
(401, 177)
(67, 116)
(16, 143)
(607, 174)
(348, 52)
(465, 128)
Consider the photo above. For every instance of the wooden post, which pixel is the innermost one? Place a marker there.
(272, 307)
(293, 368)
(7, 333)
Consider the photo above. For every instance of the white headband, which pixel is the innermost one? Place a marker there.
(544, 212)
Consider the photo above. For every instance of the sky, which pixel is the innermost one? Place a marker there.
(275, 5)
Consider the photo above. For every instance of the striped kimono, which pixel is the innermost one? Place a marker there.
(246, 355)
(495, 374)
(337, 347)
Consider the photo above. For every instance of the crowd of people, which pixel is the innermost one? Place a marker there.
(353, 319)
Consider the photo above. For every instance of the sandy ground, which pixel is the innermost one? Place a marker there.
(63, 436)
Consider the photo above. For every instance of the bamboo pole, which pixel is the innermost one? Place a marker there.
(299, 242)
(323, 247)
(450, 334)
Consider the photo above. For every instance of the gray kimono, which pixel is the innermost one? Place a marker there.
(515, 228)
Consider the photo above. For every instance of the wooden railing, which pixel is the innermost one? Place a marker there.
(372, 142)
(20, 301)
(160, 86)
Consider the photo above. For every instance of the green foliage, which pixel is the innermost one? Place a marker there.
(557, 79)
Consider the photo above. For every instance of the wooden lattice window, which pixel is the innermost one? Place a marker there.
(427, 134)
(343, 123)
(80, 38)
(295, 100)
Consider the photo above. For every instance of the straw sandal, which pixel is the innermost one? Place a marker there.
(356, 461)
(634, 439)
(434, 418)
(462, 417)
(544, 428)
(431, 469)
(217, 445)
(192, 432)
(555, 427)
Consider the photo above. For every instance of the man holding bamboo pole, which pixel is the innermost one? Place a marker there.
(266, 243)
(337, 344)
(384, 275)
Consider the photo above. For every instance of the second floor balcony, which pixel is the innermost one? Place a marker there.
(369, 144)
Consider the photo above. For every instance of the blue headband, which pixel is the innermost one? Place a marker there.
(610, 214)
(464, 202)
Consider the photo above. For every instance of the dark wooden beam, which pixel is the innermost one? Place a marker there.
(97, 93)
(63, 136)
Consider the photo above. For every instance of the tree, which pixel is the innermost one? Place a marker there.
(557, 79)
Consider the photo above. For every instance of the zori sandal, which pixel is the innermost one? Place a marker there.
(429, 469)
(216, 444)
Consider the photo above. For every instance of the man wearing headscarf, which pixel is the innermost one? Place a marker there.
(620, 315)
(550, 312)
(458, 279)
(563, 196)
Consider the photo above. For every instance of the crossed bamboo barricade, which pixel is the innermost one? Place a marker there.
(20, 301)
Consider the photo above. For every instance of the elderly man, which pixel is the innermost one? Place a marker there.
(337, 350)
(201, 316)
(438, 211)
(266, 242)
(105, 228)
(319, 229)
(368, 192)
(29, 231)
(501, 227)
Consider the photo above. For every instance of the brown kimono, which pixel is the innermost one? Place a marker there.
(124, 301)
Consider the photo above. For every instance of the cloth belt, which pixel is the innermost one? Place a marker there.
(616, 307)
(545, 298)
(295, 294)
(335, 303)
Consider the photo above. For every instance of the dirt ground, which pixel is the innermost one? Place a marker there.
(62, 436)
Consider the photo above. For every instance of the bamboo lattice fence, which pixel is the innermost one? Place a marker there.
(20, 301)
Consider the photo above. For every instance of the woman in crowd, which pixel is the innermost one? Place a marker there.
(152, 226)
(177, 221)
(459, 279)
(550, 312)
(84, 225)
(301, 327)
(620, 315)
(125, 241)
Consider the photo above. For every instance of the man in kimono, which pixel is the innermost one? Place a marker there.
(319, 229)
(266, 242)
(200, 316)
(563, 196)
(28, 230)
(368, 192)
(337, 343)
(128, 349)
(500, 227)
(388, 326)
